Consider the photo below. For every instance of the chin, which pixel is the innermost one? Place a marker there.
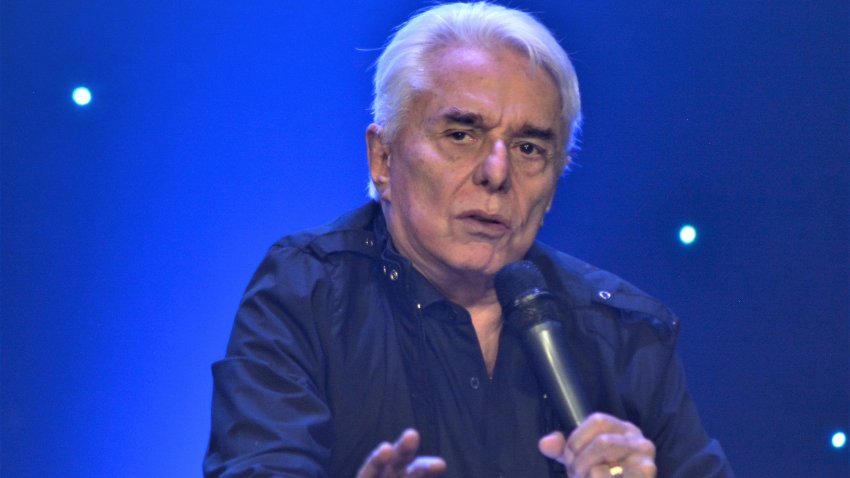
(484, 264)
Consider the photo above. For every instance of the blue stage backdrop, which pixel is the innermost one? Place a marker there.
(131, 225)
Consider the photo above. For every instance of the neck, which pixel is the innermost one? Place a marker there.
(470, 290)
(478, 297)
(474, 292)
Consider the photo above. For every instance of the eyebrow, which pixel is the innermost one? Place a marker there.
(530, 131)
(456, 115)
(468, 118)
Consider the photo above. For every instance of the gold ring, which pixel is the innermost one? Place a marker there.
(615, 471)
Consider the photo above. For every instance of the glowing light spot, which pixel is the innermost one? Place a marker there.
(81, 95)
(839, 439)
(687, 234)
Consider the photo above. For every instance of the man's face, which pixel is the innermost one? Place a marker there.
(472, 171)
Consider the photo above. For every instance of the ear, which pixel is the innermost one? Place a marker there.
(378, 151)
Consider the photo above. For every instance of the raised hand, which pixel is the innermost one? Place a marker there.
(399, 460)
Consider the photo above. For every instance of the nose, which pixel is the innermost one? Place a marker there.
(494, 172)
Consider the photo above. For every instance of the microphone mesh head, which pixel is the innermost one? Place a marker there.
(515, 281)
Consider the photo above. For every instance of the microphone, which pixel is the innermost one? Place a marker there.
(530, 308)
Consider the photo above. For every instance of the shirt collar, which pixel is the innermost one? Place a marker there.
(401, 273)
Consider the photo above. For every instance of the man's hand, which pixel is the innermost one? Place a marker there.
(399, 460)
(602, 446)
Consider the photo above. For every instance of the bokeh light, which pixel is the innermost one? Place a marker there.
(839, 439)
(687, 234)
(81, 96)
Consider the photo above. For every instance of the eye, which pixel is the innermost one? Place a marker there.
(460, 136)
(531, 149)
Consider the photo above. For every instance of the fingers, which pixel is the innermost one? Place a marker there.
(405, 448)
(630, 469)
(554, 446)
(376, 462)
(426, 466)
(598, 424)
(399, 460)
(598, 443)
(635, 454)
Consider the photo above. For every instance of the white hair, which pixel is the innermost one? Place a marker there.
(399, 68)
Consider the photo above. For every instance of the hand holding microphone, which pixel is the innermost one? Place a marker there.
(600, 445)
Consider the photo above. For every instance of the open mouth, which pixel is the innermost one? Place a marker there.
(488, 221)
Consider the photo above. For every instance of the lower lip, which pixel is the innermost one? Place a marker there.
(487, 228)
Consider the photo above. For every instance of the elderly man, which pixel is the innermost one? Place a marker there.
(385, 326)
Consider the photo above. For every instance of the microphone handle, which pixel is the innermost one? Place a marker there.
(550, 355)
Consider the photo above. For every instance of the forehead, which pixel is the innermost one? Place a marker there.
(500, 84)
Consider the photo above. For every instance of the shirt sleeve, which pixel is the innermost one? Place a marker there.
(684, 448)
(269, 415)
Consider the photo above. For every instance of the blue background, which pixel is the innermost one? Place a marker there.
(131, 226)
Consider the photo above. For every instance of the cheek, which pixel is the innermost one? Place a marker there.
(538, 197)
(418, 185)
(534, 212)
(543, 206)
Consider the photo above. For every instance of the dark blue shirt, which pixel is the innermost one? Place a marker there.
(340, 344)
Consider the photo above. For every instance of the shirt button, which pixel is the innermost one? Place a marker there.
(370, 242)
(474, 383)
(604, 294)
(393, 274)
